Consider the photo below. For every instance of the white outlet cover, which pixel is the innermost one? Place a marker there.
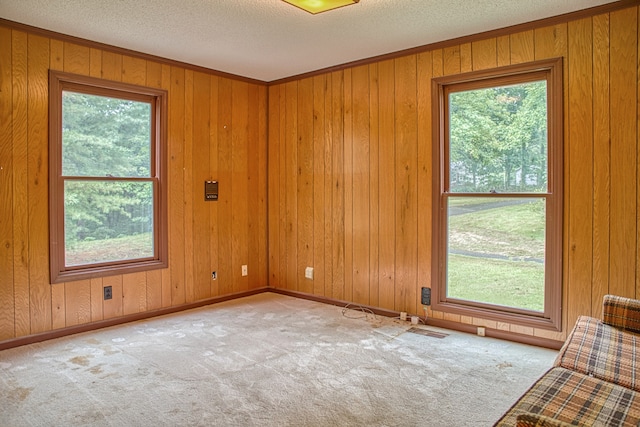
(244, 270)
(308, 273)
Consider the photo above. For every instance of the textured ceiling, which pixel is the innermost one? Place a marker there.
(270, 39)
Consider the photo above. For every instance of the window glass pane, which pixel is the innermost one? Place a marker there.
(496, 251)
(498, 139)
(107, 221)
(104, 136)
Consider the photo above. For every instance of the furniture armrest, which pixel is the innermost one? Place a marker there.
(621, 312)
(536, 420)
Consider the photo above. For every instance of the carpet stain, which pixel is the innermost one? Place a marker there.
(504, 365)
(80, 360)
(92, 341)
(20, 393)
(96, 370)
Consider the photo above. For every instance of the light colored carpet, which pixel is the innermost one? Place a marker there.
(265, 360)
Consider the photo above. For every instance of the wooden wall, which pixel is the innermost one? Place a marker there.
(350, 169)
(217, 130)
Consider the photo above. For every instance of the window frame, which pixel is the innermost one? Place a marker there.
(552, 70)
(62, 81)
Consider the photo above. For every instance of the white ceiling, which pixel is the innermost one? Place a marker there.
(270, 39)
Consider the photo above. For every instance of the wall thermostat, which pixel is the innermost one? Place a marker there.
(210, 191)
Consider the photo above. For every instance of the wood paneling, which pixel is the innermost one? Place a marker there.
(348, 181)
(623, 83)
(579, 169)
(198, 151)
(376, 128)
(7, 327)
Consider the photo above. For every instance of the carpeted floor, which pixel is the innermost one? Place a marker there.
(265, 360)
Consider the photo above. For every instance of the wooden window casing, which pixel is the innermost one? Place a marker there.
(551, 72)
(60, 82)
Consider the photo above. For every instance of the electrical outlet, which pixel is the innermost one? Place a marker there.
(244, 270)
(426, 296)
(481, 331)
(214, 275)
(403, 315)
(308, 273)
(108, 292)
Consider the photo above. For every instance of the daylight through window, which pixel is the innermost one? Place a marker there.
(498, 212)
(107, 186)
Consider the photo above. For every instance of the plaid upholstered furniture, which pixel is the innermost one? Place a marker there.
(595, 380)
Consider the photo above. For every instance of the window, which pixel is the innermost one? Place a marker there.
(107, 188)
(498, 194)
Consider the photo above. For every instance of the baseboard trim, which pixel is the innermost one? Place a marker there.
(87, 327)
(439, 323)
(445, 324)
(332, 301)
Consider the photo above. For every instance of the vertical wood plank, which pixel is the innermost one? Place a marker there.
(134, 293)
(466, 62)
(484, 54)
(328, 184)
(77, 302)
(261, 131)
(176, 185)
(348, 183)
(38, 172)
(97, 297)
(273, 195)
(406, 184)
(337, 201)
(255, 192)
(374, 187)
(56, 54)
(58, 308)
(76, 59)
(20, 183)
(637, 129)
(239, 196)
(165, 284)
(623, 113)
(361, 185)
(283, 175)
(7, 252)
(425, 171)
(95, 62)
(153, 290)
(187, 188)
(522, 47)
(291, 182)
(503, 50)
(134, 70)
(319, 93)
(550, 42)
(200, 166)
(225, 212)
(387, 185)
(580, 168)
(111, 66)
(304, 185)
(214, 231)
(451, 56)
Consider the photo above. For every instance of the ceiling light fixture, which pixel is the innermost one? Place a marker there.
(317, 6)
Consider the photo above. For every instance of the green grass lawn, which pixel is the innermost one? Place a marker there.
(508, 283)
(514, 232)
